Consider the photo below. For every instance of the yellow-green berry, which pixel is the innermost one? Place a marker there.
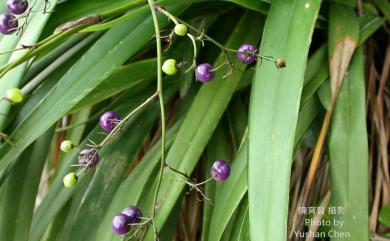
(181, 29)
(66, 146)
(169, 67)
(14, 95)
(70, 180)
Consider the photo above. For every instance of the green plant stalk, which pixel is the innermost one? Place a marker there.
(161, 98)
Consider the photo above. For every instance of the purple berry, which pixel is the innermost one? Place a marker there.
(88, 158)
(133, 213)
(247, 53)
(220, 170)
(109, 120)
(120, 224)
(17, 6)
(204, 72)
(8, 23)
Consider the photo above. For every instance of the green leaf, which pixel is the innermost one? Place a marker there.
(240, 230)
(238, 120)
(315, 83)
(348, 154)
(70, 10)
(384, 6)
(343, 39)
(324, 94)
(307, 113)
(369, 24)
(135, 76)
(384, 216)
(274, 109)
(21, 187)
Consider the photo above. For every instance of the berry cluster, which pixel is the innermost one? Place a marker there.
(8, 21)
(130, 216)
(122, 222)
(89, 157)
(205, 72)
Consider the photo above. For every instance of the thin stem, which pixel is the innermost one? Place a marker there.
(182, 177)
(159, 90)
(141, 224)
(62, 129)
(120, 124)
(203, 36)
(195, 52)
(13, 50)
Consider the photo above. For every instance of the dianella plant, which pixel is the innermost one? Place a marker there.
(194, 120)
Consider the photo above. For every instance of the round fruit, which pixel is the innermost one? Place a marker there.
(280, 63)
(17, 6)
(181, 29)
(66, 146)
(70, 180)
(133, 213)
(88, 158)
(247, 53)
(220, 170)
(204, 72)
(8, 23)
(120, 224)
(109, 120)
(14, 95)
(169, 67)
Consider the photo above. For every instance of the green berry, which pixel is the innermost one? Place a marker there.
(14, 95)
(66, 146)
(181, 29)
(70, 180)
(169, 67)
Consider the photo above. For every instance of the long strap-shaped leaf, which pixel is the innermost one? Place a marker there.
(273, 115)
(20, 190)
(343, 39)
(348, 151)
